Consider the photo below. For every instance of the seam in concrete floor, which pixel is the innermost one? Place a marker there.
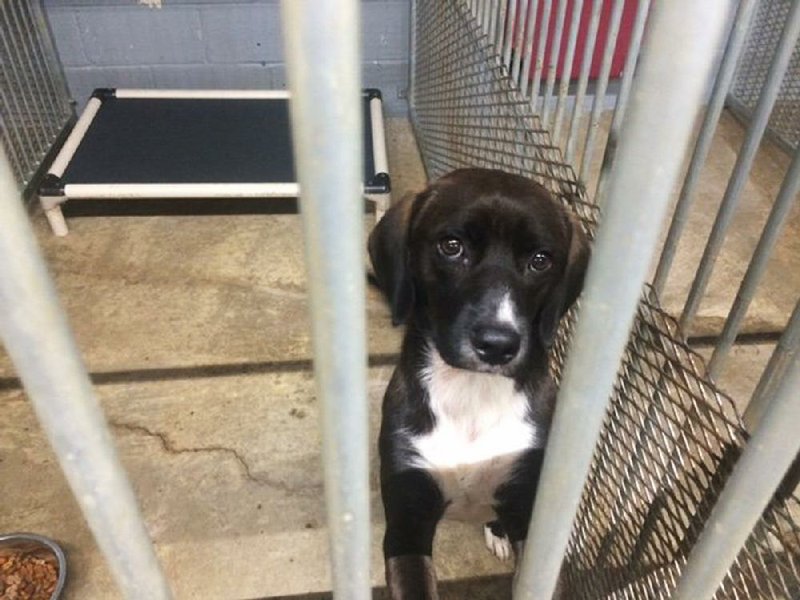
(293, 366)
(204, 371)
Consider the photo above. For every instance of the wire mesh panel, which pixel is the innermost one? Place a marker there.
(34, 103)
(751, 75)
(467, 112)
(670, 438)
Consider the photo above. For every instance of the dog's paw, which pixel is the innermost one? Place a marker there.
(497, 542)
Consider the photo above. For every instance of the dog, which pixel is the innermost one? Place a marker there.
(480, 267)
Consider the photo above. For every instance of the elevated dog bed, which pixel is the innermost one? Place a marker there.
(142, 144)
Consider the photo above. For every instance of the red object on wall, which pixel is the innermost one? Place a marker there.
(620, 52)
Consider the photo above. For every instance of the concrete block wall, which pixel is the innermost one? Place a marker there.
(209, 44)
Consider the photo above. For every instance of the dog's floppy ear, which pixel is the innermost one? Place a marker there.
(570, 286)
(388, 252)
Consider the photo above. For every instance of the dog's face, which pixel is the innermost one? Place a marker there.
(487, 262)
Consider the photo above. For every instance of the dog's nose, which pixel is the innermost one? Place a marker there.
(495, 344)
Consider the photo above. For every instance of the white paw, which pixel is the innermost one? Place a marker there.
(500, 546)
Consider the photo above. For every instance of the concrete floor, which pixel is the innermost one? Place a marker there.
(196, 332)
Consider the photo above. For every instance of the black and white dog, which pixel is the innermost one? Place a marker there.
(480, 267)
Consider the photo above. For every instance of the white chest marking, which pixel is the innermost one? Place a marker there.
(481, 428)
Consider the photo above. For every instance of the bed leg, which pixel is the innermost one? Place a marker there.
(55, 217)
(382, 204)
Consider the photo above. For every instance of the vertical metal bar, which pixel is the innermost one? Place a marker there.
(18, 157)
(14, 158)
(722, 83)
(744, 161)
(37, 337)
(37, 71)
(756, 476)
(544, 30)
(566, 70)
(323, 60)
(583, 80)
(552, 66)
(622, 100)
(54, 66)
(500, 28)
(518, 46)
(675, 65)
(533, 14)
(511, 25)
(10, 69)
(600, 89)
(35, 36)
(758, 264)
(412, 60)
(494, 9)
(29, 84)
(787, 348)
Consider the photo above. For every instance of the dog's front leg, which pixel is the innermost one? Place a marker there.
(413, 505)
(411, 577)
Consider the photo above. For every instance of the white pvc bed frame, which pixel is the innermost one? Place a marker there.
(55, 191)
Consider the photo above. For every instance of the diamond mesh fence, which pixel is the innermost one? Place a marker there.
(34, 104)
(762, 40)
(670, 437)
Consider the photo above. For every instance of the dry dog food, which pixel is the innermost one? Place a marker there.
(27, 576)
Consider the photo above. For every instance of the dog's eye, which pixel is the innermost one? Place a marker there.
(540, 261)
(451, 247)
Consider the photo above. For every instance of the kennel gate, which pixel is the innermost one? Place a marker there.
(669, 439)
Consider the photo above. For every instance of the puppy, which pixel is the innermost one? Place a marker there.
(480, 267)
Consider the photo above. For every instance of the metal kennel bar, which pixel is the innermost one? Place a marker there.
(762, 37)
(569, 56)
(530, 35)
(722, 83)
(669, 437)
(34, 100)
(37, 337)
(544, 28)
(322, 50)
(609, 154)
(744, 160)
(785, 350)
(600, 91)
(758, 264)
(583, 82)
(552, 66)
(664, 106)
(751, 487)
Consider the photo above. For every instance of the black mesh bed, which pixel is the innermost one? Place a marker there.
(139, 144)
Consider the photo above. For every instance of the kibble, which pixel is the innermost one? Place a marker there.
(27, 576)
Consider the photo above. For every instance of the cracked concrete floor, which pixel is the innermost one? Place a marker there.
(228, 476)
(196, 332)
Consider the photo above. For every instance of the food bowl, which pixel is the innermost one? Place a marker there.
(33, 553)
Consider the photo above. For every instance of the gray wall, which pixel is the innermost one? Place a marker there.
(209, 44)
